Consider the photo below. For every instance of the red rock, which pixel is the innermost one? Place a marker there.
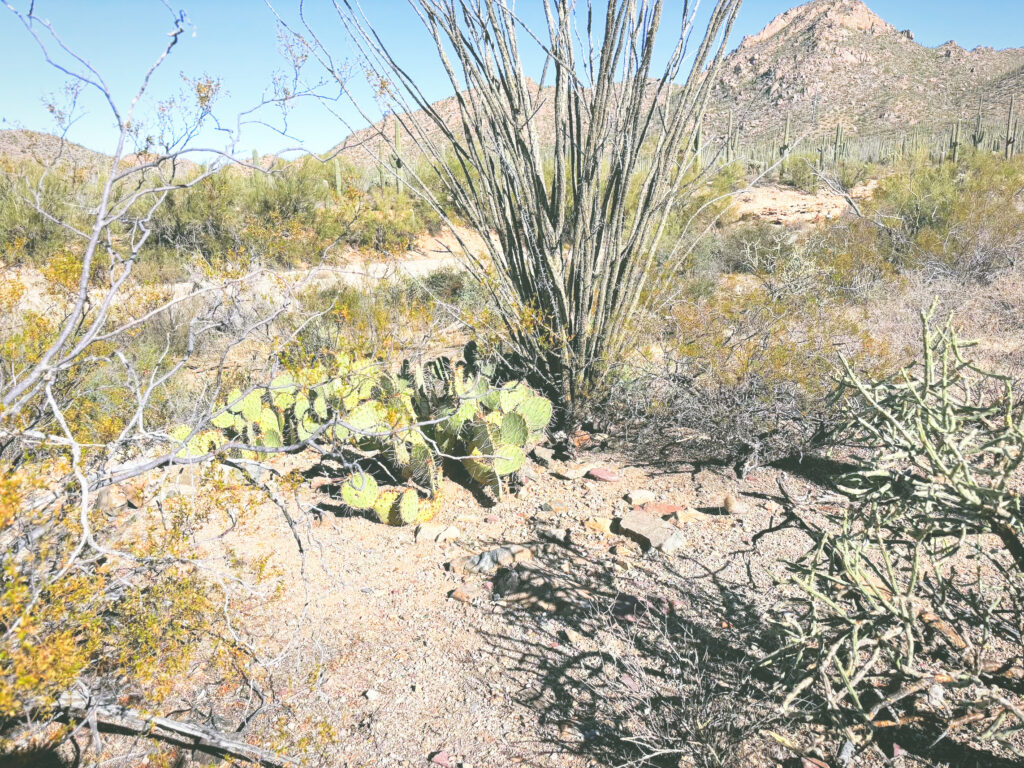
(603, 475)
(442, 758)
(660, 508)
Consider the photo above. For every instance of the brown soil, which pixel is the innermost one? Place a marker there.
(411, 659)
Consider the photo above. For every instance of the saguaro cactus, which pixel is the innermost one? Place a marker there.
(1011, 133)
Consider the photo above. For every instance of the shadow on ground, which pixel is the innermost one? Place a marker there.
(651, 667)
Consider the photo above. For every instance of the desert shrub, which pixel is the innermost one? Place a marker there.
(800, 174)
(908, 614)
(747, 358)
(391, 221)
(26, 235)
(96, 628)
(959, 220)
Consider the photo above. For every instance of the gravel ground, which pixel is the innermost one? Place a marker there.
(397, 655)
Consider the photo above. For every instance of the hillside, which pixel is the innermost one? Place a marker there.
(832, 61)
(825, 62)
(45, 148)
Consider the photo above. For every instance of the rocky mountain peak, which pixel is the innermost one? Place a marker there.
(822, 19)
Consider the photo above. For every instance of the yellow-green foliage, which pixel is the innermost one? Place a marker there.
(111, 618)
(297, 213)
(962, 219)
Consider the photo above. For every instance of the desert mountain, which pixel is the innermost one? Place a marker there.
(835, 61)
(824, 63)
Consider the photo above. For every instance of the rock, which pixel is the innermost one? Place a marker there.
(460, 595)
(731, 505)
(650, 530)
(682, 517)
(575, 471)
(442, 758)
(639, 497)
(543, 455)
(598, 524)
(661, 509)
(371, 695)
(603, 475)
(436, 532)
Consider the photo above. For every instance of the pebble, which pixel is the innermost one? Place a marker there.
(639, 497)
(603, 475)
(371, 695)
(598, 524)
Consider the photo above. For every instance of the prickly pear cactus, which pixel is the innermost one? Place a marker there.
(408, 422)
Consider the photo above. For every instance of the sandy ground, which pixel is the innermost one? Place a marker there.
(419, 662)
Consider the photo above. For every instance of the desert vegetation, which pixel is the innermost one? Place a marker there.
(498, 433)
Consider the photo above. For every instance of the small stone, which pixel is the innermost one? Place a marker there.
(598, 524)
(603, 475)
(371, 695)
(650, 530)
(731, 505)
(639, 497)
(503, 557)
(442, 759)
(460, 595)
(566, 733)
(492, 519)
(661, 509)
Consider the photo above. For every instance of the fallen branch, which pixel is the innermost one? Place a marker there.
(113, 718)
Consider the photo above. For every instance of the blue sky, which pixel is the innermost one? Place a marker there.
(235, 41)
